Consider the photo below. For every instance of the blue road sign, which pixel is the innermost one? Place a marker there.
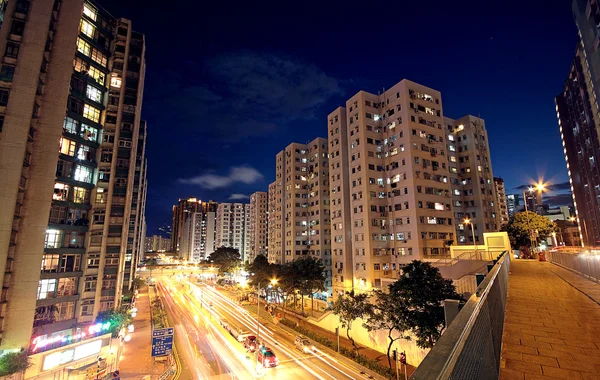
(162, 345)
(163, 332)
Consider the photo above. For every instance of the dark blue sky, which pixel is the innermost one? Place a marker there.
(229, 85)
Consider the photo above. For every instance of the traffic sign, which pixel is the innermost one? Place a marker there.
(163, 332)
(162, 345)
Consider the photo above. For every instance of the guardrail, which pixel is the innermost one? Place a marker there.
(586, 264)
(470, 347)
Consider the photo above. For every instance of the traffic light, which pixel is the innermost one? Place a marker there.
(402, 358)
(395, 355)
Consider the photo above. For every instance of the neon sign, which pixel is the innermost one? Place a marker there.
(39, 342)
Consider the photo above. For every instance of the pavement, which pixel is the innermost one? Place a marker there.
(136, 357)
(552, 324)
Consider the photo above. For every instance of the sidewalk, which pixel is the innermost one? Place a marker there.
(552, 324)
(136, 359)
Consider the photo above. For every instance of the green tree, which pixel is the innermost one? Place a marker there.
(421, 288)
(311, 273)
(521, 224)
(391, 314)
(350, 307)
(261, 271)
(118, 319)
(138, 283)
(14, 362)
(289, 280)
(227, 258)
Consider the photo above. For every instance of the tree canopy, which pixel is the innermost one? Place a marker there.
(348, 308)
(118, 318)
(227, 258)
(261, 271)
(421, 288)
(520, 225)
(14, 362)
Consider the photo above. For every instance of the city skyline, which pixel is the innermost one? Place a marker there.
(202, 133)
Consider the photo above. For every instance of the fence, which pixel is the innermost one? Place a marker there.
(470, 347)
(585, 263)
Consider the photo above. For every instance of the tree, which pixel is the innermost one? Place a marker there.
(118, 319)
(389, 313)
(14, 362)
(226, 258)
(261, 271)
(350, 307)
(422, 289)
(138, 283)
(521, 224)
(311, 272)
(151, 262)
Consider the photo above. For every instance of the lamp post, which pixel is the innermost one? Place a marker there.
(539, 187)
(468, 221)
(273, 282)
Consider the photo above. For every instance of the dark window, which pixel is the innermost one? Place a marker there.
(4, 96)
(17, 27)
(1, 122)
(75, 105)
(12, 49)
(23, 6)
(7, 72)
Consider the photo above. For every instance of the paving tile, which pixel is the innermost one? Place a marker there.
(509, 374)
(561, 373)
(543, 360)
(519, 365)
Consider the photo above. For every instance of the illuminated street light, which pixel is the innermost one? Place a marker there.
(468, 221)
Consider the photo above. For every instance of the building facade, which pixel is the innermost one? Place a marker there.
(181, 211)
(577, 111)
(402, 180)
(157, 243)
(71, 75)
(233, 227)
(512, 204)
(258, 225)
(197, 234)
(299, 205)
(501, 201)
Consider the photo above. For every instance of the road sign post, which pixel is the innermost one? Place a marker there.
(162, 341)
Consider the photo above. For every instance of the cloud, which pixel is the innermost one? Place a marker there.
(244, 174)
(559, 200)
(553, 187)
(234, 197)
(241, 95)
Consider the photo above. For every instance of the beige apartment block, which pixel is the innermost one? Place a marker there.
(473, 187)
(233, 227)
(67, 68)
(258, 225)
(390, 184)
(299, 205)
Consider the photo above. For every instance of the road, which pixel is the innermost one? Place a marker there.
(210, 353)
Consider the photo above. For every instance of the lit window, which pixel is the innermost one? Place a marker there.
(115, 81)
(450, 137)
(83, 47)
(46, 289)
(61, 192)
(83, 174)
(89, 12)
(84, 152)
(94, 94)
(91, 113)
(67, 146)
(431, 220)
(478, 168)
(96, 74)
(80, 195)
(439, 206)
(451, 148)
(456, 192)
(70, 125)
(87, 28)
(452, 158)
(98, 57)
(88, 133)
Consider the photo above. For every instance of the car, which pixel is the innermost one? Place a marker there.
(303, 344)
(250, 343)
(267, 357)
(224, 323)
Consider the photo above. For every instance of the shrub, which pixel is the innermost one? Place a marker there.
(14, 362)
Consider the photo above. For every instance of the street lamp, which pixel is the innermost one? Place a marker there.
(273, 282)
(468, 221)
(539, 187)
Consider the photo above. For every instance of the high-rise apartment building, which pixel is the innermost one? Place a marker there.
(197, 234)
(577, 111)
(401, 177)
(181, 211)
(501, 201)
(156, 243)
(299, 205)
(473, 188)
(70, 99)
(512, 203)
(233, 227)
(258, 225)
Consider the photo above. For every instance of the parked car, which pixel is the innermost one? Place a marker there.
(267, 357)
(250, 343)
(303, 344)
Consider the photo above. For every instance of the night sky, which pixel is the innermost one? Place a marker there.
(229, 85)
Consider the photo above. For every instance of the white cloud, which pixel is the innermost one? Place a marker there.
(234, 197)
(244, 174)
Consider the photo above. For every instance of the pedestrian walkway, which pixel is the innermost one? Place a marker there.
(136, 359)
(552, 324)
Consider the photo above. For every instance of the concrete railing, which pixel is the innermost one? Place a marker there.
(470, 347)
(586, 264)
